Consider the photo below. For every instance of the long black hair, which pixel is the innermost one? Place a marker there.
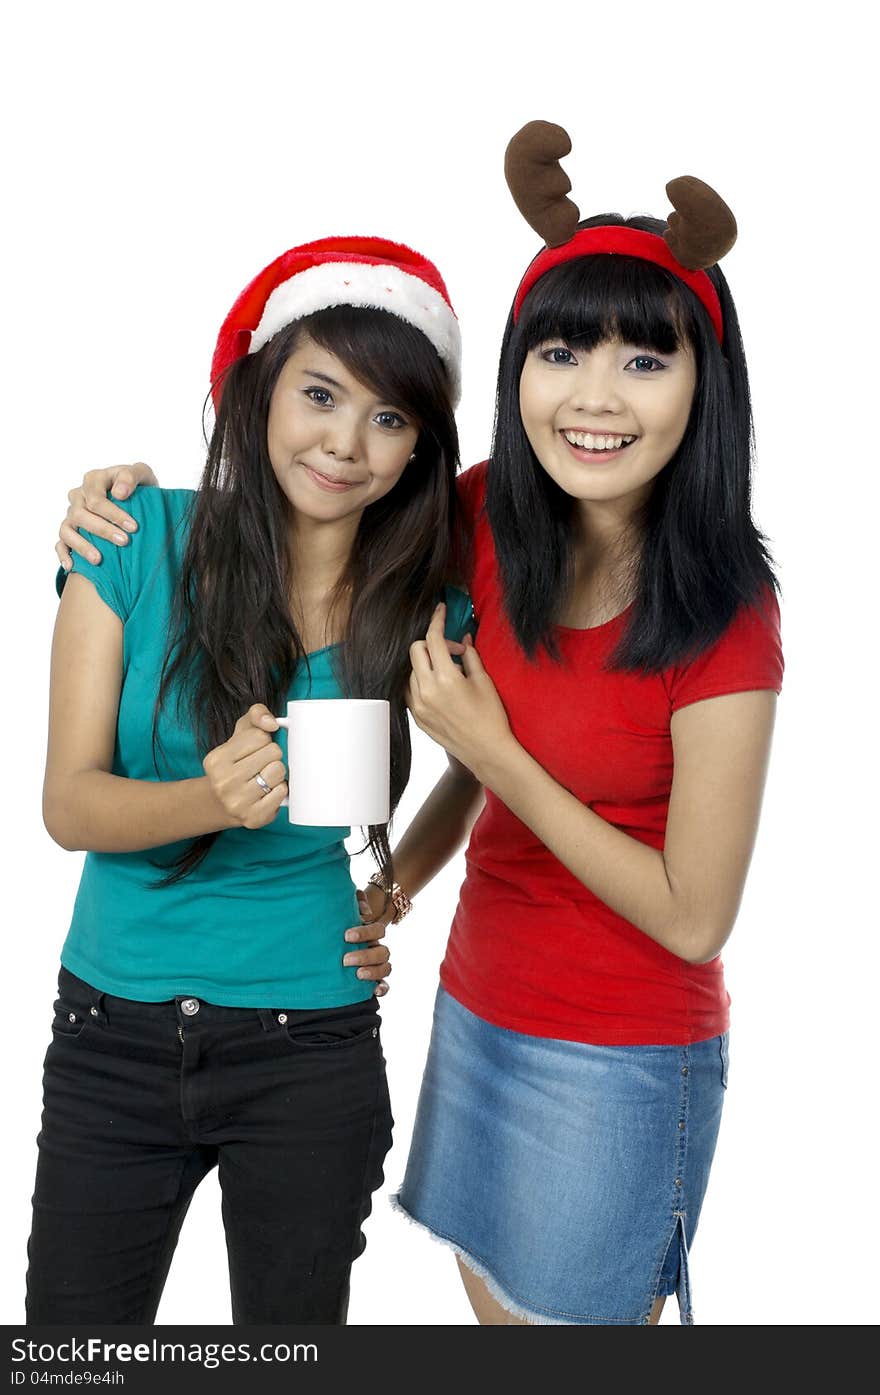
(233, 640)
(700, 556)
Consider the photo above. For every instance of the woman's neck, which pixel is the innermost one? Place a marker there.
(320, 554)
(606, 552)
(603, 528)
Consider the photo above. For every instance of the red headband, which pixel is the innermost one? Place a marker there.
(631, 242)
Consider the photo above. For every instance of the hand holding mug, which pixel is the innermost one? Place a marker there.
(246, 773)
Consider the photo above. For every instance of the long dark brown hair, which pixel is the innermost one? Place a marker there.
(233, 640)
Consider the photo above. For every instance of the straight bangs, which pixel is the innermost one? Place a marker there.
(594, 300)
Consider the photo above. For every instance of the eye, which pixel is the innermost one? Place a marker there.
(391, 421)
(320, 396)
(558, 354)
(648, 364)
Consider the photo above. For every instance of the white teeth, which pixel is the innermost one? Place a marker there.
(587, 441)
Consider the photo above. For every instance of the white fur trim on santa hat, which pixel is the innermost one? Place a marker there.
(372, 287)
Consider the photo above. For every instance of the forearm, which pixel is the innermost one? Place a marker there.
(624, 873)
(98, 812)
(438, 831)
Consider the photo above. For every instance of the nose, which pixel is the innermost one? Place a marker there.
(595, 387)
(341, 438)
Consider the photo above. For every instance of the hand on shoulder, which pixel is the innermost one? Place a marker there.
(91, 507)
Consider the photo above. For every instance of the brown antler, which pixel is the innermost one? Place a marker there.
(702, 228)
(538, 183)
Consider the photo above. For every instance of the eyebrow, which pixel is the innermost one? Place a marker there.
(311, 373)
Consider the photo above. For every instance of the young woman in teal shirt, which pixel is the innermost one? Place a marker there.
(205, 1015)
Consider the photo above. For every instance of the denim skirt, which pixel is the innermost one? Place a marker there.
(569, 1177)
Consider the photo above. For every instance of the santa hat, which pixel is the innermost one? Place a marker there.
(369, 272)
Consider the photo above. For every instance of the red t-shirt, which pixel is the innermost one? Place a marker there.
(531, 948)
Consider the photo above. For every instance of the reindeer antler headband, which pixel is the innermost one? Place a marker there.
(699, 231)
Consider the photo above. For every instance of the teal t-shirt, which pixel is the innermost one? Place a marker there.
(260, 922)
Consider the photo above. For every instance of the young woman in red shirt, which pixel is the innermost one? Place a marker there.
(613, 725)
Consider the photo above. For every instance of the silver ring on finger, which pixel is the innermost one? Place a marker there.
(264, 784)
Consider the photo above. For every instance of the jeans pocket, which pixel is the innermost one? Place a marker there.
(723, 1046)
(69, 1022)
(331, 1029)
(331, 1036)
(75, 1007)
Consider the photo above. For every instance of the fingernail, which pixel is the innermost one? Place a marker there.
(68, 566)
(120, 539)
(94, 556)
(348, 959)
(130, 525)
(120, 491)
(351, 935)
(362, 973)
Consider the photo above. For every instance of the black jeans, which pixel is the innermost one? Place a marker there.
(141, 1100)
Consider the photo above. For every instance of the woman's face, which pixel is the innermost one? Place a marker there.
(334, 446)
(604, 422)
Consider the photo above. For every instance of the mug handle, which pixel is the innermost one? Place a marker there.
(284, 722)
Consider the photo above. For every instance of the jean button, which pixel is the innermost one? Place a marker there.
(190, 1006)
(71, 1017)
(93, 1011)
(282, 1018)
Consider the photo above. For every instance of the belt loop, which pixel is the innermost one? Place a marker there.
(267, 1019)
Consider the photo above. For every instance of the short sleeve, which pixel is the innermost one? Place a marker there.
(124, 574)
(748, 656)
(110, 576)
(460, 618)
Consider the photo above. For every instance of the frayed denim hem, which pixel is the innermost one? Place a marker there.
(512, 1305)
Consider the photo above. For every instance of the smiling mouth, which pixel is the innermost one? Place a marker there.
(329, 482)
(598, 441)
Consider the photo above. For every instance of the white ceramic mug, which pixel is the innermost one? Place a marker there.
(339, 761)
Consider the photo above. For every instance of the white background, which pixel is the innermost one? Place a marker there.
(159, 156)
